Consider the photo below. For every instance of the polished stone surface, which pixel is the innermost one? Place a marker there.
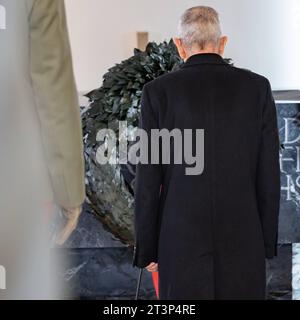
(104, 273)
(279, 274)
(289, 130)
(92, 233)
(99, 266)
(296, 271)
(107, 273)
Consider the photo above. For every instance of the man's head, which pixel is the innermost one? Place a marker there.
(199, 31)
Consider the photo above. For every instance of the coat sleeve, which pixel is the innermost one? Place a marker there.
(268, 176)
(57, 100)
(147, 191)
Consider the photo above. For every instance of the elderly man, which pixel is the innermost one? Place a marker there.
(208, 235)
(41, 166)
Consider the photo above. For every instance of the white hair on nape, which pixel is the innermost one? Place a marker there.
(199, 26)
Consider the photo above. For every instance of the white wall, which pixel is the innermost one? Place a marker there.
(264, 34)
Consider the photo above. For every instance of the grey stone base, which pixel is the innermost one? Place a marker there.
(103, 273)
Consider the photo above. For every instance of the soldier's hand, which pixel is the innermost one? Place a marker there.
(71, 217)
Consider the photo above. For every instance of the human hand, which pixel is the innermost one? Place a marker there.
(152, 267)
(71, 217)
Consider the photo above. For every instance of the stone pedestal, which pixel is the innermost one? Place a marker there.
(99, 266)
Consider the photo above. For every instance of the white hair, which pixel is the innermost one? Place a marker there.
(199, 26)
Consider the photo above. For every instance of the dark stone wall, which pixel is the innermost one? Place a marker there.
(289, 130)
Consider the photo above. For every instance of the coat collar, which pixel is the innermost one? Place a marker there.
(204, 58)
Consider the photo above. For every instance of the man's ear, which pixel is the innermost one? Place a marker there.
(222, 46)
(180, 48)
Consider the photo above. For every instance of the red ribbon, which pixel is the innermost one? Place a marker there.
(155, 282)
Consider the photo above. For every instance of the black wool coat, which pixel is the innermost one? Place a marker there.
(210, 233)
